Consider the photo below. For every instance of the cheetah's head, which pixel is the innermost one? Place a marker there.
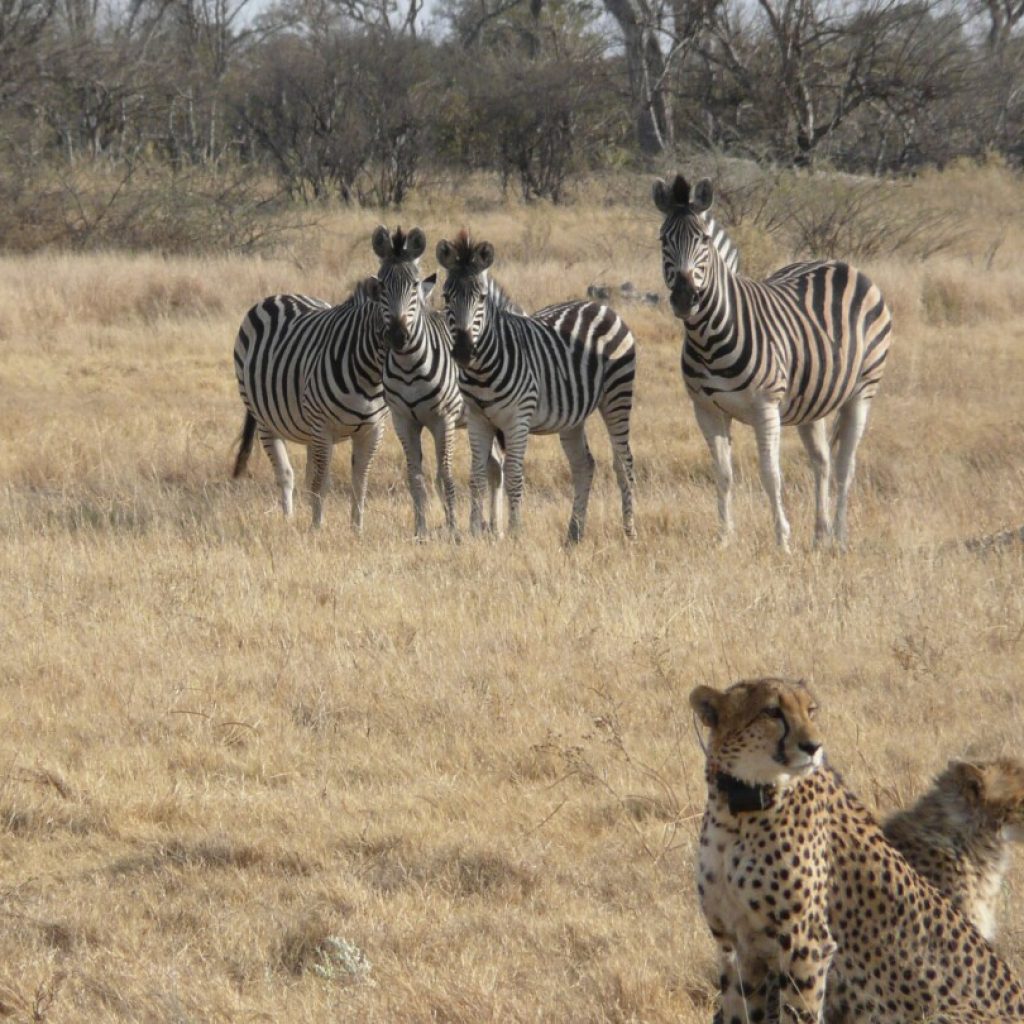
(762, 730)
(993, 790)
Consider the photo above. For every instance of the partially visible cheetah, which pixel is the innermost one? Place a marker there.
(796, 878)
(958, 834)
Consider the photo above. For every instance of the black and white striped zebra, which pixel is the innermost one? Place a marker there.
(540, 374)
(421, 381)
(809, 341)
(310, 372)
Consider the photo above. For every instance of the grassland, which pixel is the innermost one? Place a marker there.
(225, 738)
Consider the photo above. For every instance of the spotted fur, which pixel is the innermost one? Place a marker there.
(798, 882)
(958, 834)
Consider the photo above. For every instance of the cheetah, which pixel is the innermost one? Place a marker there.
(958, 834)
(796, 880)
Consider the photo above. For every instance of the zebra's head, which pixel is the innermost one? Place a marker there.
(685, 240)
(402, 293)
(465, 291)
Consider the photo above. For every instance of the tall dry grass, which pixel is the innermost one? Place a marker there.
(227, 742)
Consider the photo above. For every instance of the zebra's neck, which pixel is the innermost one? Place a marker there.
(713, 318)
(498, 310)
(361, 344)
(499, 300)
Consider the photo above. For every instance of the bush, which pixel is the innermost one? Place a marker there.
(139, 207)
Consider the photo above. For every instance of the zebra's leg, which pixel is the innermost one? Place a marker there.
(815, 438)
(581, 462)
(717, 430)
(318, 474)
(496, 483)
(622, 459)
(364, 446)
(444, 443)
(850, 425)
(409, 433)
(481, 437)
(515, 454)
(768, 428)
(283, 473)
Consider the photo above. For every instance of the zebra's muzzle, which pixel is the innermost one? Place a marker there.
(462, 347)
(682, 298)
(396, 334)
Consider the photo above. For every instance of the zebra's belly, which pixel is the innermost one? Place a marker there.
(551, 417)
(741, 405)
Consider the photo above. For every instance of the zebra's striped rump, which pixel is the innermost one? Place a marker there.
(310, 372)
(809, 341)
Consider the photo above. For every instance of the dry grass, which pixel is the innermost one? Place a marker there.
(225, 740)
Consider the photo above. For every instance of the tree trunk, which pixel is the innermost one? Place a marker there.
(645, 64)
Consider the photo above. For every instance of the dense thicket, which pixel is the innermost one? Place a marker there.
(214, 100)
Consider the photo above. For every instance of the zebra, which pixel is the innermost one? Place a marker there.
(310, 372)
(808, 341)
(421, 383)
(540, 374)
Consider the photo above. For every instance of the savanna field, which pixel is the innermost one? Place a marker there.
(256, 773)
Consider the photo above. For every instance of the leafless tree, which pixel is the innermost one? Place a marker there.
(22, 24)
(656, 36)
(807, 66)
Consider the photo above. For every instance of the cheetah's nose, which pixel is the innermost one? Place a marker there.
(809, 747)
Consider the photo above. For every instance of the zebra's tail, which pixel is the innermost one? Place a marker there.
(244, 444)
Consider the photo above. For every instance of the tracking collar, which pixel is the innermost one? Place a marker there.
(742, 796)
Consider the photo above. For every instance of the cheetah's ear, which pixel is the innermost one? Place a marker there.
(970, 778)
(702, 197)
(415, 244)
(445, 253)
(707, 703)
(382, 242)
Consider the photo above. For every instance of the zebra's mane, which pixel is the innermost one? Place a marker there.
(399, 253)
(463, 247)
(680, 191)
(500, 299)
(366, 290)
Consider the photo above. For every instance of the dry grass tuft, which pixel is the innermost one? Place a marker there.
(240, 760)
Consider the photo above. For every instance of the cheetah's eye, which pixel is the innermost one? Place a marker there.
(773, 713)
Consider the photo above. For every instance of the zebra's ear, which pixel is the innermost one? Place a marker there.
(382, 242)
(371, 286)
(707, 703)
(445, 253)
(427, 285)
(415, 244)
(484, 255)
(662, 196)
(702, 197)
